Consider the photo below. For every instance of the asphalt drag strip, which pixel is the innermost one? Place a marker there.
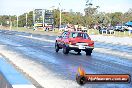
(38, 59)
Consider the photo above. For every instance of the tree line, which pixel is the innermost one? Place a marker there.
(91, 17)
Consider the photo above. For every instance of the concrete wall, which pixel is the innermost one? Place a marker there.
(11, 78)
(3, 82)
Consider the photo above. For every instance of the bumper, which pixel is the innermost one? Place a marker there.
(80, 47)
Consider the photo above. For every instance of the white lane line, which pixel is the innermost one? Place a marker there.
(102, 50)
(31, 37)
(48, 46)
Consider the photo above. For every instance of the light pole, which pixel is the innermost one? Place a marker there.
(60, 16)
(43, 15)
(33, 18)
(26, 20)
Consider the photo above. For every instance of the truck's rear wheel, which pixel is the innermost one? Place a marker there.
(88, 52)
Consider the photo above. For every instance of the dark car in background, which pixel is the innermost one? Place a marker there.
(108, 30)
(121, 28)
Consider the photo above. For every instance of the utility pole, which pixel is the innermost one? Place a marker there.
(60, 16)
(43, 14)
(10, 23)
(34, 18)
(17, 21)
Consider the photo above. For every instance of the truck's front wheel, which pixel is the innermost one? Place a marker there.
(56, 47)
(65, 49)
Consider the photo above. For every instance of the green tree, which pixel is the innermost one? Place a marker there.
(90, 17)
(30, 19)
(56, 17)
(116, 18)
(4, 20)
(127, 16)
(22, 19)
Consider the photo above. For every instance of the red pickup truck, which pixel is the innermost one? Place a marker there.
(74, 40)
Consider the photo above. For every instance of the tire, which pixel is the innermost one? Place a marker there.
(65, 49)
(88, 52)
(79, 52)
(56, 47)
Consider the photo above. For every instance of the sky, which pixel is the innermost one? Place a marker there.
(18, 7)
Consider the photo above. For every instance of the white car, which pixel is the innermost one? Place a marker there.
(84, 29)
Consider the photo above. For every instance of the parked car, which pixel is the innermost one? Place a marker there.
(108, 30)
(84, 29)
(63, 27)
(130, 29)
(74, 40)
(119, 28)
(127, 28)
